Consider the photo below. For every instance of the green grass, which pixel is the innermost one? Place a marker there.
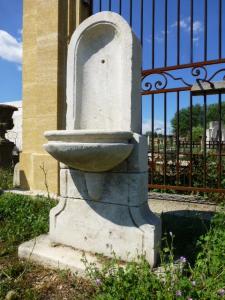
(205, 279)
(200, 275)
(22, 218)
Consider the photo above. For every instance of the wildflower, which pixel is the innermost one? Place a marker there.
(171, 234)
(178, 293)
(183, 259)
(190, 299)
(98, 281)
(221, 292)
(193, 283)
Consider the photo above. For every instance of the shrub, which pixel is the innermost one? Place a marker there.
(6, 178)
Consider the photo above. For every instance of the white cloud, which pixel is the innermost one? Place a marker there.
(10, 48)
(186, 26)
(197, 27)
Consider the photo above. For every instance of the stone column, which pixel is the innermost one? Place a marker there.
(47, 27)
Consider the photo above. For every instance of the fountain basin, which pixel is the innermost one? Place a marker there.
(89, 150)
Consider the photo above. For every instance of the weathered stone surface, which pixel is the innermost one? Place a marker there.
(202, 88)
(106, 228)
(42, 250)
(86, 150)
(114, 60)
(118, 188)
(16, 176)
(103, 212)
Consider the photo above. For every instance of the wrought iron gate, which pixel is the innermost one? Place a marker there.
(183, 45)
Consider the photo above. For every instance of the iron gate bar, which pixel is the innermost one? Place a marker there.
(205, 29)
(165, 34)
(178, 140)
(204, 140)
(165, 137)
(220, 141)
(152, 139)
(220, 30)
(191, 156)
(142, 18)
(131, 12)
(178, 33)
(191, 35)
(200, 155)
(169, 90)
(186, 188)
(153, 34)
(183, 66)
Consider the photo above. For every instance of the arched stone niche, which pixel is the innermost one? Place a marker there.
(103, 76)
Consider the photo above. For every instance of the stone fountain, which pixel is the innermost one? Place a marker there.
(102, 154)
(6, 123)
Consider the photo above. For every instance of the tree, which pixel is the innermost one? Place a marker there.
(212, 114)
(197, 133)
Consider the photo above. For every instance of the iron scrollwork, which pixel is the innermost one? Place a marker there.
(198, 73)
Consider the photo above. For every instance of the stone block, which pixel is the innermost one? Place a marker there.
(42, 251)
(105, 228)
(118, 188)
(138, 160)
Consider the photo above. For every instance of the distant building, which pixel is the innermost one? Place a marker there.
(212, 133)
(15, 134)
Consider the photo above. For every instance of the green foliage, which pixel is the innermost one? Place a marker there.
(197, 117)
(22, 218)
(186, 232)
(197, 133)
(6, 178)
(198, 179)
(174, 280)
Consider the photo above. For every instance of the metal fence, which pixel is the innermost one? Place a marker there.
(183, 45)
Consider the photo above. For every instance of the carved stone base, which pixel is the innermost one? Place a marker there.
(106, 228)
(42, 251)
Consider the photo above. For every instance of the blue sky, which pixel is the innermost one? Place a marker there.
(10, 50)
(11, 46)
(198, 48)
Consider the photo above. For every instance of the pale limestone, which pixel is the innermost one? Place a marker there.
(119, 188)
(203, 88)
(106, 228)
(42, 250)
(89, 150)
(103, 80)
(103, 212)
